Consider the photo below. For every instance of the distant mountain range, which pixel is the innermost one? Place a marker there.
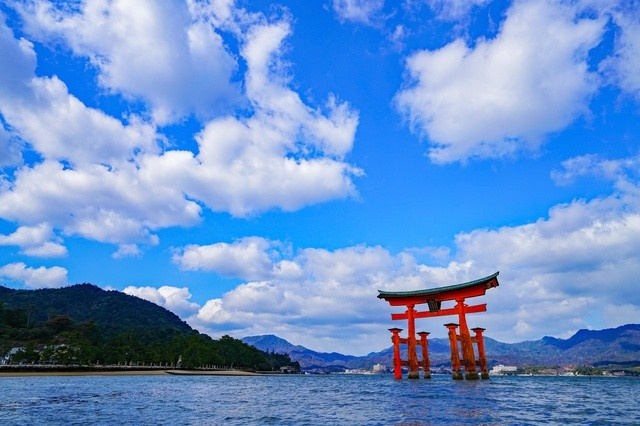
(613, 346)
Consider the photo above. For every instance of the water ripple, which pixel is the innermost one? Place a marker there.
(318, 400)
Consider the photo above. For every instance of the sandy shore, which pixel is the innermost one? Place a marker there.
(132, 372)
(83, 373)
(212, 373)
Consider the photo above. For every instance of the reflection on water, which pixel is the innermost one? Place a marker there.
(311, 400)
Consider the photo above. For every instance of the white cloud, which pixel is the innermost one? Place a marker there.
(359, 11)
(41, 277)
(593, 165)
(28, 235)
(398, 36)
(317, 295)
(10, 150)
(47, 249)
(88, 183)
(286, 154)
(454, 9)
(156, 51)
(247, 258)
(505, 94)
(96, 202)
(175, 299)
(110, 180)
(38, 241)
(59, 126)
(56, 124)
(563, 272)
(613, 315)
(589, 242)
(624, 65)
(19, 60)
(126, 250)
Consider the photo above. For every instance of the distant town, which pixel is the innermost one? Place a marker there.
(512, 370)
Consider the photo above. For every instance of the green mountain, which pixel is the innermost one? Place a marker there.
(85, 325)
(112, 312)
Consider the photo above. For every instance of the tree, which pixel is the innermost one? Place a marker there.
(28, 355)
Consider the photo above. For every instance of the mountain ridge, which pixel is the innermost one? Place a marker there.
(619, 345)
(113, 311)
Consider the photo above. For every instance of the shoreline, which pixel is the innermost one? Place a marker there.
(35, 371)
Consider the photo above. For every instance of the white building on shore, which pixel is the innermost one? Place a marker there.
(503, 369)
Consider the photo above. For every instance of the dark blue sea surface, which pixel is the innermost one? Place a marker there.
(317, 400)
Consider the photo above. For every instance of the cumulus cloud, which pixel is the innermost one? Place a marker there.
(96, 202)
(41, 277)
(313, 295)
(57, 124)
(359, 11)
(60, 127)
(285, 154)
(623, 68)
(160, 53)
(175, 299)
(594, 165)
(88, 183)
(247, 258)
(559, 274)
(10, 150)
(454, 9)
(112, 179)
(126, 250)
(505, 94)
(38, 241)
(571, 269)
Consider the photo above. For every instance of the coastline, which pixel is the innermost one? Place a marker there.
(26, 371)
(81, 373)
(212, 373)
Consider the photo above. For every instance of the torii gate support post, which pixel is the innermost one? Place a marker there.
(468, 357)
(455, 357)
(411, 342)
(426, 363)
(397, 362)
(482, 358)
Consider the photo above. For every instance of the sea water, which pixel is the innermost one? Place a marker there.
(317, 400)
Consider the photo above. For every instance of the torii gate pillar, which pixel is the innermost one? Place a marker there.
(413, 365)
(397, 361)
(482, 358)
(456, 371)
(426, 363)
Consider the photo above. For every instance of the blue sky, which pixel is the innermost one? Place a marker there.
(265, 167)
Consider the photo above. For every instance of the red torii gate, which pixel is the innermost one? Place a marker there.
(433, 298)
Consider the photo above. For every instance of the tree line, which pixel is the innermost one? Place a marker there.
(61, 340)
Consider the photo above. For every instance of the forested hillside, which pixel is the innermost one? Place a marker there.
(85, 325)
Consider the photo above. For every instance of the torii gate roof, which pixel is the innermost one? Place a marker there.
(469, 289)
